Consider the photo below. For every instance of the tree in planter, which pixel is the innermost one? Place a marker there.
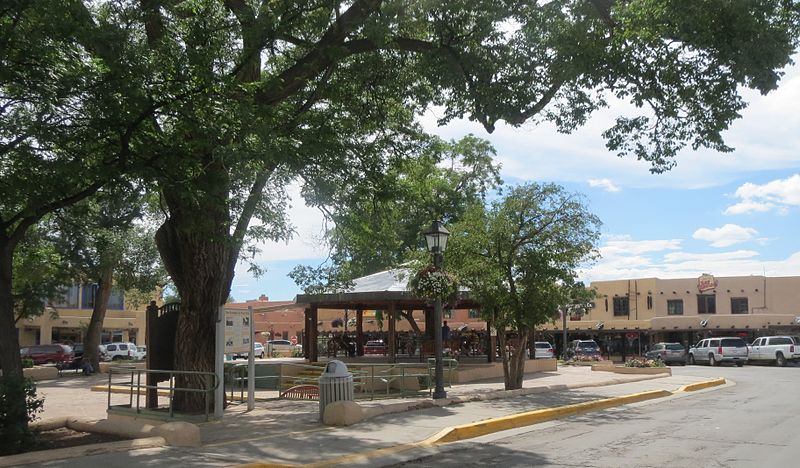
(518, 259)
(108, 246)
(222, 97)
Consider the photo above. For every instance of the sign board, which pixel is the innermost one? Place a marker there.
(237, 331)
(706, 282)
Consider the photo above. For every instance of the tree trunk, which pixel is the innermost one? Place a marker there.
(409, 315)
(196, 246)
(10, 363)
(513, 359)
(95, 331)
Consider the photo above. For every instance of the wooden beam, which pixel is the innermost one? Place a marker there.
(392, 333)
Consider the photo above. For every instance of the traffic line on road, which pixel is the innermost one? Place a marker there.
(702, 385)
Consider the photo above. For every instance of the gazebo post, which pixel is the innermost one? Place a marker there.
(360, 330)
(306, 333)
(314, 333)
(392, 333)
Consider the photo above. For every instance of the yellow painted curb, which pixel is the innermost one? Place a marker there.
(702, 385)
(469, 431)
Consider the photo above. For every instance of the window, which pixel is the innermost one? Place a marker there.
(675, 307)
(780, 340)
(739, 305)
(621, 306)
(706, 304)
(116, 300)
(474, 313)
(67, 300)
(87, 296)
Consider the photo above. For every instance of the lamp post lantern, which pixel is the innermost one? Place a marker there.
(436, 237)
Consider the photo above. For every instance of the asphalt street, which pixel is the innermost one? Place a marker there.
(753, 423)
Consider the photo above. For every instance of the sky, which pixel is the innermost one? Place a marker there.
(727, 214)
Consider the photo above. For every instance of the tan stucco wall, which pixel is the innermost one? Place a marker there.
(125, 321)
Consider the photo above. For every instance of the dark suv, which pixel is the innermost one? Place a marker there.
(48, 354)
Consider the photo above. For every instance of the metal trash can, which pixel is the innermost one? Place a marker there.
(335, 384)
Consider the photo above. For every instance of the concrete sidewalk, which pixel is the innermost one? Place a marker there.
(283, 432)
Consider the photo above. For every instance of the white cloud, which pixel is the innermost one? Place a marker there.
(605, 184)
(726, 235)
(624, 246)
(307, 241)
(780, 194)
(749, 207)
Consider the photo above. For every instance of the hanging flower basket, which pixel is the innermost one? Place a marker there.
(430, 283)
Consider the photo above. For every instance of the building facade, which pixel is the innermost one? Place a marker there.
(66, 319)
(629, 315)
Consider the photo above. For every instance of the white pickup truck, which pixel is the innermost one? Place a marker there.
(775, 348)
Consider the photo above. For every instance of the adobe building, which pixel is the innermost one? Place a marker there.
(66, 319)
(629, 315)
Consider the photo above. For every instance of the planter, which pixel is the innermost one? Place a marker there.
(41, 373)
(104, 366)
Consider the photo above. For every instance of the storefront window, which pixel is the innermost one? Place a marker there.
(739, 305)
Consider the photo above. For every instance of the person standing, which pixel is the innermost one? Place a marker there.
(445, 331)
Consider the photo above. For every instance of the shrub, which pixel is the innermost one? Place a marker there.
(16, 436)
(643, 363)
(27, 363)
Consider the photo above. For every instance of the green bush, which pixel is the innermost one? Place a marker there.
(27, 363)
(14, 417)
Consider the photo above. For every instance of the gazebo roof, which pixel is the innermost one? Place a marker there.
(377, 291)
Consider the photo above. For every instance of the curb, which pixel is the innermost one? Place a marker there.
(44, 456)
(472, 430)
(702, 385)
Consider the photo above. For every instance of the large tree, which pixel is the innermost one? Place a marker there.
(518, 258)
(224, 99)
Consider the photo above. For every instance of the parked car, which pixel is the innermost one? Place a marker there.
(583, 350)
(668, 353)
(284, 347)
(141, 352)
(258, 351)
(77, 349)
(543, 350)
(375, 347)
(117, 351)
(48, 354)
(715, 351)
(779, 349)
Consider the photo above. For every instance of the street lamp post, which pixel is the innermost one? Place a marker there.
(436, 238)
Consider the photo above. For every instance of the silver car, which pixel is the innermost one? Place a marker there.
(668, 353)
(715, 351)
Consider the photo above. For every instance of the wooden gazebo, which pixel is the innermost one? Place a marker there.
(386, 291)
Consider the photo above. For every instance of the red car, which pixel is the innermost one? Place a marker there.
(375, 347)
(48, 354)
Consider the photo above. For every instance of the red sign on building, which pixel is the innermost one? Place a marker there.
(706, 282)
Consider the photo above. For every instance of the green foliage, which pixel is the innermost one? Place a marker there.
(518, 256)
(378, 217)
(27, 363)
(18, 402)
(39, 272)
